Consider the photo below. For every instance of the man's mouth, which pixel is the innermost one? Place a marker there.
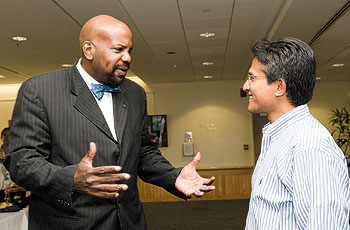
(122, 72)
(121, 69)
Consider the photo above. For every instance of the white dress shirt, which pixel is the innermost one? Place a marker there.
(105, 104)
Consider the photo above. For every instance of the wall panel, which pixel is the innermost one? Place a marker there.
(230, 183)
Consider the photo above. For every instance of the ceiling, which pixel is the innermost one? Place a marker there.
(162, 26)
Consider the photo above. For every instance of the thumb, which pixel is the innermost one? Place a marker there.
(92, 152)
(195, 160)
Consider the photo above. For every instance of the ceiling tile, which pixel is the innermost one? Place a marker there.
(206, 11)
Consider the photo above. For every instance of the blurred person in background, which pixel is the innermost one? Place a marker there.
(8, 189)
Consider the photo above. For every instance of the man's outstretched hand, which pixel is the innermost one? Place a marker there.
(189, 182)
(98, 181)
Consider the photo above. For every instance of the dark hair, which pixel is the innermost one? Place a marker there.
(3, 131)
(291, 60)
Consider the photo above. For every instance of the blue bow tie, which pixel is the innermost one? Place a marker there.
(98, 90)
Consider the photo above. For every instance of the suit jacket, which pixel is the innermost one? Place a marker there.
(54, 120)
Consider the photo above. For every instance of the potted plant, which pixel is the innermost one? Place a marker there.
(340, 120)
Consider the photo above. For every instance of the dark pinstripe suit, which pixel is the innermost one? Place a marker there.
(54, 120)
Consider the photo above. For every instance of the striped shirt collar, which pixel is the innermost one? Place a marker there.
(286, 120)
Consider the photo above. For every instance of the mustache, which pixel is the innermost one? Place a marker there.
(124, 66)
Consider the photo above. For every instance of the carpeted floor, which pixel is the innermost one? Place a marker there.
(195, 215)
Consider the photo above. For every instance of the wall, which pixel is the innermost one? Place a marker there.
(230, 183)
(215, 114)
(329, 96)
(8, 95)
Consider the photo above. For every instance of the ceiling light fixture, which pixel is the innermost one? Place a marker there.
(66, 65)
(207, 51)
(207, 35)
(208, 63)
(2, 76)
(318, 78)
(19, 38)
(207, 77)
(338, 65)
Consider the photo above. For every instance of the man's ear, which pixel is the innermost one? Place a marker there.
(88, 50)
(281, 88)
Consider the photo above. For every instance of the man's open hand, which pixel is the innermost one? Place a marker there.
(98, 181)
(189, 182)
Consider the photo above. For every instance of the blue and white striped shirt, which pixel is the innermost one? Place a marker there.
(301, 179)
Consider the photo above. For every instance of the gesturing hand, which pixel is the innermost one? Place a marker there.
(189, 182)
(98, 181)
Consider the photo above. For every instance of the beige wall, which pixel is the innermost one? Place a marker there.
(215, 114)
(8, 95)
(329, 96)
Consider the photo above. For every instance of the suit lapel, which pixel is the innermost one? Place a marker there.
(120, 108)
(86, 104)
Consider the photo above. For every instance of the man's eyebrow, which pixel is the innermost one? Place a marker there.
(124, 46)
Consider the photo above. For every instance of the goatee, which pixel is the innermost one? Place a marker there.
(111, 80)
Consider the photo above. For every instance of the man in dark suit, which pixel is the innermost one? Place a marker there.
(79, 150)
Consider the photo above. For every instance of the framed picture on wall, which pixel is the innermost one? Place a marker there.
(157, 127)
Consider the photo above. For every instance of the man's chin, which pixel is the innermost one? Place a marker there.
(114, 81)
(120, 79)
(252, 109)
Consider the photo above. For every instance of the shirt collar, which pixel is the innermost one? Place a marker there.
(285, 121)
(87, 78)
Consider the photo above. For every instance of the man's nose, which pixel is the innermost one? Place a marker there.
(246, 86)
(126, 57)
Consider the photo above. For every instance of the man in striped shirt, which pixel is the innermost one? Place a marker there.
(301, 179)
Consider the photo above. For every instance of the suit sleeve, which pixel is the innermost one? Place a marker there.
(29, 151)
(153, 167)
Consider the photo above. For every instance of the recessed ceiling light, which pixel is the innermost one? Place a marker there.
(171, 52)
(318, 78)
(208, 63)
(338, 65)
(207, 51)
(66, 65)
(19, 38)
(207, 35)
(207, 77)
(2, 76)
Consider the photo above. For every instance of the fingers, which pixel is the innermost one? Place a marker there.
(107, 190)
(209, 181)
(104, 195)
(195, 160)
(106, 169)
(110, 187)
(207, 188)
(98, 181)
(200, 192)
(196, 193)
(107, 178)
(92, 152)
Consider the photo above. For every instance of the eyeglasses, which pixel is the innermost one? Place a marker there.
(251, 77)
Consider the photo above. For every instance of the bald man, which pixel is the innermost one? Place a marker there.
(79, 139)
